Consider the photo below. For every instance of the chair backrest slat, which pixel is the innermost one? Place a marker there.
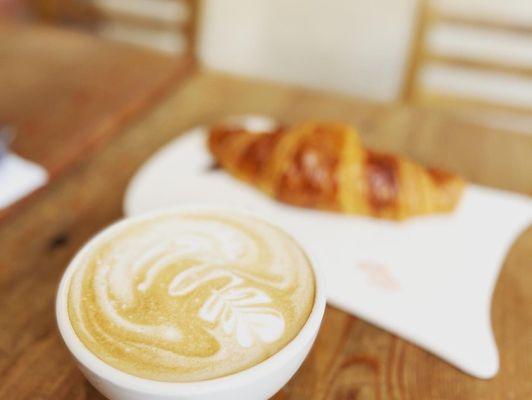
(485, 66)
(168, 25)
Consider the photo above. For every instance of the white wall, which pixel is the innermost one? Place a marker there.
(361, 47)
(358, 47)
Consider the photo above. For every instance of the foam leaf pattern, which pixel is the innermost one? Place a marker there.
(242, 311)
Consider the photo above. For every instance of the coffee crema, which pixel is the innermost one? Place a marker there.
(183, 297)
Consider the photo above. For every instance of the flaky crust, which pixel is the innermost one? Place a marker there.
(324, 165)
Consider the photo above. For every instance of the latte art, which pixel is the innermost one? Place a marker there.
(190, 296)
(241, 310)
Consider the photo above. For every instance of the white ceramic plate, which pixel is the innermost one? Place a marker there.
(429, 280)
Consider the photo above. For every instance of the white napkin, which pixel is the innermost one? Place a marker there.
(18, 178)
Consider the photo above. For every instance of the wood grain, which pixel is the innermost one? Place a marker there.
(66, 93)
(351, 359)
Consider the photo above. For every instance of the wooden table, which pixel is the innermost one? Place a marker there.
(66, 93)
(351, 359)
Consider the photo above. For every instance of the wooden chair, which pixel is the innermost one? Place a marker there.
(470, 63)
(165, 25)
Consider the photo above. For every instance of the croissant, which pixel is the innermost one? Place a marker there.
(324, 165)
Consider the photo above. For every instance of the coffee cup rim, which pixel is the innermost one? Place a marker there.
(123, 379)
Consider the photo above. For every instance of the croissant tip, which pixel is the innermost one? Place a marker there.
(450, 194)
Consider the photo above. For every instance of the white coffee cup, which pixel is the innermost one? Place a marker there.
(261, 381)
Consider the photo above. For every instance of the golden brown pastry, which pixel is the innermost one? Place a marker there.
(324, 165)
